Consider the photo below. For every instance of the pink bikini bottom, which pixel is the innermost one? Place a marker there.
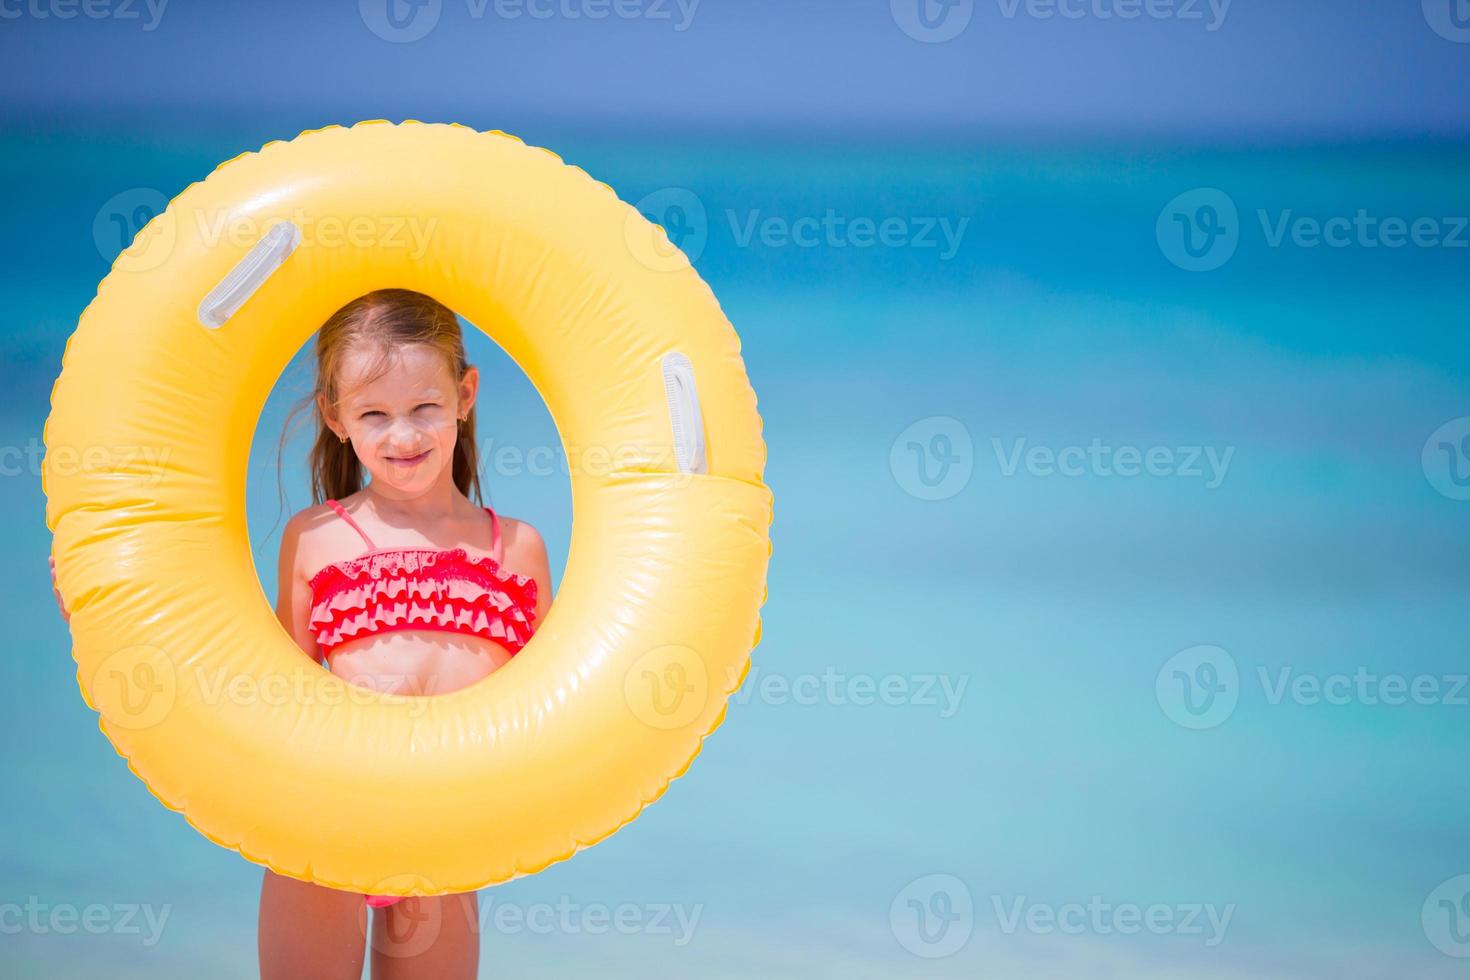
(381, 901)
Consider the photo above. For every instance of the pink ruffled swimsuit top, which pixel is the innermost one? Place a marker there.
(388, 589)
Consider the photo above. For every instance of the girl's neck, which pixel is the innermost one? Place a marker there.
(440, 503)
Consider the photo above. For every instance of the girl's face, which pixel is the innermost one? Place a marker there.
(404, 424)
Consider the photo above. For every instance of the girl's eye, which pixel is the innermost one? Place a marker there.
(377, 414)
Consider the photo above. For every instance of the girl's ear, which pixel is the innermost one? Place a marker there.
(329, 415)
(469, 388)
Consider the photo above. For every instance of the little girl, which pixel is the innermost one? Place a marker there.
(401, 585)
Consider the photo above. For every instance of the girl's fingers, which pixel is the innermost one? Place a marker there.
(56, 590)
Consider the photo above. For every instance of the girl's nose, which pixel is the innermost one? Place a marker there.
(405, 434)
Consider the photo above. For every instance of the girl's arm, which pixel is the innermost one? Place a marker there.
(293, 600)
(530, 559)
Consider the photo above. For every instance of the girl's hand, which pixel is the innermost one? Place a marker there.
(65, 616)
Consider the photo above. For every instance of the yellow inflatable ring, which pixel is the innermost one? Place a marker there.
(196, 683)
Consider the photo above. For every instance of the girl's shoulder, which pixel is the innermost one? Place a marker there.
(518, 535)
(315, 537)
(310, 520)
(524, 552)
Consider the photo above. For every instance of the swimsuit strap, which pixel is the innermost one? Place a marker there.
(495, 533)
(348, 518)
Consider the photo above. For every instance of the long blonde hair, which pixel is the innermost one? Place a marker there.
(386, 319)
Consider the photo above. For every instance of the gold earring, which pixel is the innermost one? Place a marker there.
(342, 438)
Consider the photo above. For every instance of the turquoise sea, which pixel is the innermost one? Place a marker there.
(1117, 623)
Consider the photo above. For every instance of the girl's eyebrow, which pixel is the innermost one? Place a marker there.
(358, 405)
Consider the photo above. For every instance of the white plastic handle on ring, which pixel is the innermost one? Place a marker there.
(684, 414)
(246, 277)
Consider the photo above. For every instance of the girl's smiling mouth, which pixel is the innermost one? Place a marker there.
(410, 460)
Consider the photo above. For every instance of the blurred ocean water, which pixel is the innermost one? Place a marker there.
(1099, 583)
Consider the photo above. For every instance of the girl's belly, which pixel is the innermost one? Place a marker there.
(417, 662)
